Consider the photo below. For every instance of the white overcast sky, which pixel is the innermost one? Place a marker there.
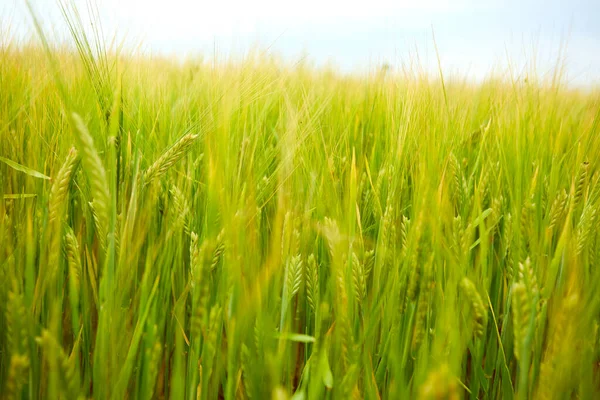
(473, 37)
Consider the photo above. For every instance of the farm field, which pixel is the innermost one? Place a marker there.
(259, 230)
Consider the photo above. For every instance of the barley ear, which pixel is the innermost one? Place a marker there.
(477, 307)
(580, 186)
(170, 157)
(74, 263)
(17, 376)
(358, 279)
(440, 384)
(294, 272)
(522, 312)
(60, 187)
(201, 259)
(96, 174)
(16, 319)
(585, 228)
(312, 282)
(67, 367)
(557, 209)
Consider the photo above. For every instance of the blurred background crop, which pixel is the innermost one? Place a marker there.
(474, 38)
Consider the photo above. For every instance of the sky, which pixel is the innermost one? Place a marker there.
(474, 38)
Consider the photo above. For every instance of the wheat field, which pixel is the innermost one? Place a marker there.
(256, 230)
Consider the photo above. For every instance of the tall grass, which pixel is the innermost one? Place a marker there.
(250, 230)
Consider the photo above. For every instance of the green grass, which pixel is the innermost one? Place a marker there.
(256, 230)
